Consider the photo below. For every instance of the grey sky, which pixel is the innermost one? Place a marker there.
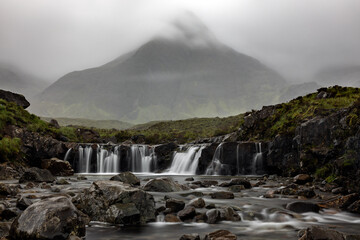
(296, 37)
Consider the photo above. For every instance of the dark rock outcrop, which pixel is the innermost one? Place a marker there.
(164, 155)
(118, 203)
(57, 167)
(51, 218)
(126, 177)
(302, 207)
(37, 175)
(162, 185)
(14, 97)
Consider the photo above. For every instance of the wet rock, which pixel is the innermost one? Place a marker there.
(23, 202)
(302, 179)
(8, 214)
(8, 173)
(195, 194)
(222, 195)
(236, 188)
(193, 236)
(307, 193)
(4, 229)
(209, 183)
(186, 214)
(162, 185)
(270, 194)
(164, 155)
(62, 181)
(338, 190)
(189, 179)
(30, 185)
(237, 181)
(51, 218)
(341, 202)
(228, 214)
(320, 233)
(174, 205)
(37, 175)
(160, 209)
(7, 190)
(210, 206)
(355, 207)
(18, 99)
(81, 177)
(302, 207)
(55, 189)
(172, 218)
(57, 167)
(220, 235)
(44, 185)
(197, 203)
(213, 216)
(118, 203)
(126, 177)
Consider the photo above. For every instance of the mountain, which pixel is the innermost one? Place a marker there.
(295, 90)
(183, 72)
(15, 80)
(340, 75)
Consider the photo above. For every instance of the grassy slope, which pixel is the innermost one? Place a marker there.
(104, 124)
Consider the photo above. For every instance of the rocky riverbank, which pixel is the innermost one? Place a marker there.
(250, 207)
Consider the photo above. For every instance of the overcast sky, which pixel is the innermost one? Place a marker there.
(50, 38)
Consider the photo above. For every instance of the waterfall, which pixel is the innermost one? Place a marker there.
(107, 160)
(84, 159)
(258, 159)
(215, 166)
(143, 158)
(67, 154)
(186, 162)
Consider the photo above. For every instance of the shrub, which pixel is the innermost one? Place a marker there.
(9, 149)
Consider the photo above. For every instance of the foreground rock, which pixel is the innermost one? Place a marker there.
(52, 218)
(222, 195)
(162, 185)
(220, 235)
(193, 236)
(126, 177)
(321, 233)
(37, 175)
(15, 98)
(57, 167)
(117, 203)
(302, 207)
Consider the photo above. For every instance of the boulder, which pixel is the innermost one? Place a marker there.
(237, 181)
(8, 173)
(320, 233)
(162, 185)
(302, 207)
(341, 202)
(126, 177)
(197, 203)
(213, 216)
(51, 218)
(186, 214)
(174, 205)
(4, 229)
(18, 99)
(8, 190)
(228, 214)
(222, 195)
(23, 202)
(236, 188)
(118, 203)
(302, 179)
(88, 135)
(355, 207)
(307, 192)
(193, 236)
(57, 167)
(171, 218)
(37, 175)
(220, 235)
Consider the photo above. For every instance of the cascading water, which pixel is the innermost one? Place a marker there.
(215, 166)
(107, 160)
(67, 154)
(186, 162)
(84, 159)
(258, 159)
(143, 158)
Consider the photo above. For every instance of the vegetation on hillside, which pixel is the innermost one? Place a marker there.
(287, 116)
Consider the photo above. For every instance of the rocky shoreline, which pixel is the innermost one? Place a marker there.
(41, 206)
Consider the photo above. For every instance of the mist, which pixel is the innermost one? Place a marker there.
(297, 38)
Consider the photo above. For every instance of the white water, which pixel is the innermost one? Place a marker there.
(186, 162)
(107, 160)
(84, 159)
(215, 166)
(258, 158)
(143, 158)
(67, 154)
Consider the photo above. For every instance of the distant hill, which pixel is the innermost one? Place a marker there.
(15, 80)
(295, 90)
(103, 124)
(187, 73)
(341, 75)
